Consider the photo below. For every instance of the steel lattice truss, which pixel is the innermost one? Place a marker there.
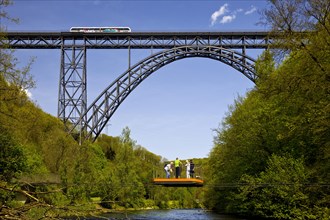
(160, 40)
(72, 100)
(72, 97)
(109, 100)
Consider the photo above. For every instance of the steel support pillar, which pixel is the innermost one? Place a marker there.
(72, 97)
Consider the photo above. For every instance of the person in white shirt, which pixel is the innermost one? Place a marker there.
(168, 170)
(187, 169)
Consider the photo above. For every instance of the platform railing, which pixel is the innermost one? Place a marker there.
(198, 172)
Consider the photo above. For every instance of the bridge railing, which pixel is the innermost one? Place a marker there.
(198, 172)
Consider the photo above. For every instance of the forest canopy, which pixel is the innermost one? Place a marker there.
(273, 147)
(270, 156)
(45, 173)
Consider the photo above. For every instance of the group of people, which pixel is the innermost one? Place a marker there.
(190, 166)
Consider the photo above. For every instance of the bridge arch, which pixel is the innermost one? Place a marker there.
(104, 106)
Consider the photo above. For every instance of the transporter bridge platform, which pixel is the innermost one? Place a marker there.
(180, 182)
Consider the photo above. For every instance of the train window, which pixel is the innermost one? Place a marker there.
(100, 29)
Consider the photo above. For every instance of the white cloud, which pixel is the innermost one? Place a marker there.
(28, 93)
(227, 19)
(222, 10)
(253, 9)
(224, 15)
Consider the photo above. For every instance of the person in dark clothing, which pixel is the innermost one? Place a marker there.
(192, 167)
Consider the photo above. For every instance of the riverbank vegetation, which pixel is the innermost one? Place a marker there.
(271, 154)
(45, 173)
(270, 159)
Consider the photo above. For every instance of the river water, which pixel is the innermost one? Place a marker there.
(176, 214)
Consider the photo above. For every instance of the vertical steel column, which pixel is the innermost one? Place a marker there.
(61, 88)
(129, 55)
(72, 101)
(243, 51)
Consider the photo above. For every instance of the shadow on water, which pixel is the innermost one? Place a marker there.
(184, 214)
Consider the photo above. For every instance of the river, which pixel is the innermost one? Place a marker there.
(177, 214)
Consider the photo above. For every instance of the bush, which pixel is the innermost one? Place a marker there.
(12, 158)
(279, 192)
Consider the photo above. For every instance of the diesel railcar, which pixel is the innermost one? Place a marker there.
(100, 29)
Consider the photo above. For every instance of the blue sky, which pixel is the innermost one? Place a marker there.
(174, 111)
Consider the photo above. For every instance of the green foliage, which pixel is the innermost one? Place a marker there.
(279, 191)
(265, 66)
(132, 188)
(109, 145)
(57, 175)
(271, 153)
(12, 158)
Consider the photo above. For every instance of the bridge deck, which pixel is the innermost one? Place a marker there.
(135, 40)
(182, 182)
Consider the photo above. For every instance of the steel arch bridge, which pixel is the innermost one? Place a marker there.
(109, 100)
(72, 98)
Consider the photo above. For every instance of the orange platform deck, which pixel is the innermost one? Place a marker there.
(180, 182)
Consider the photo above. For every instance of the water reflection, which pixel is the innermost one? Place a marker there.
(168, 215)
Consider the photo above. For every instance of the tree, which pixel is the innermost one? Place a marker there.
(295, 21)
(14, 82)
(287, 116)
(280, 192)
(126, 169)
(12, 157)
